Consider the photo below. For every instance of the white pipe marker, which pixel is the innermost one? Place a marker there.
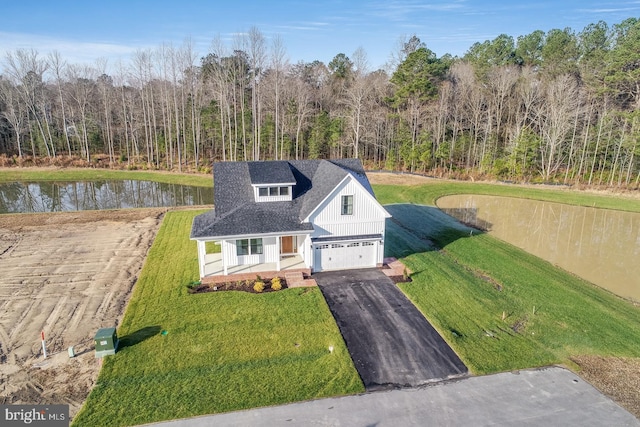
(44, 347)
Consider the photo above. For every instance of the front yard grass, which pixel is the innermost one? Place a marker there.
(221, 352)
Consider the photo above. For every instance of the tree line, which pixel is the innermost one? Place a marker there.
(560, 106)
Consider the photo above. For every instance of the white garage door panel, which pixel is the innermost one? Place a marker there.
(342, 256)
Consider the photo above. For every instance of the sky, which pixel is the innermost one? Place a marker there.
(83, 31)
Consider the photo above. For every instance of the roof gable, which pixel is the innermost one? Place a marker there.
(336, 189)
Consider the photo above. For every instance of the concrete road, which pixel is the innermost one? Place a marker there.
(390, 341)
(546, 397)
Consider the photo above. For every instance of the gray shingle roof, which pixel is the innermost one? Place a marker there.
(273, 172)
(237, 213)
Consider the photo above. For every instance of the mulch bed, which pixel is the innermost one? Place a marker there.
(239, 285)
(617, 377)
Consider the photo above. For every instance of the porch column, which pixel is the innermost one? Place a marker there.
(223, 248)
(202, 257)
(278, 253)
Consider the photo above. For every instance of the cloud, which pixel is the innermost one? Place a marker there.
(72, 51)
(610, 10)
(303, 26)
(403, 9)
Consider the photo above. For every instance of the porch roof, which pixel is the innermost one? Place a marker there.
(247, 220)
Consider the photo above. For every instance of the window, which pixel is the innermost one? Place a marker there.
(256, 246)
(273, 191)
(249, 247)
(347, 205)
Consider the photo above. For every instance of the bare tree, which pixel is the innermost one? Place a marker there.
(257, 58)
(81, 90)
(105, 87)
(27, 70)
(14, 111)
(59, 68)
(562, 104)
(279, 64)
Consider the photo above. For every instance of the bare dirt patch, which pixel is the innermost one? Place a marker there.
(67, 274)
(617, 377)
(389, 178)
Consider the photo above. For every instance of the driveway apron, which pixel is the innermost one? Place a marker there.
(390, 341)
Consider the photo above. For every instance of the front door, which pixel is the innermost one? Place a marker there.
(287, 245)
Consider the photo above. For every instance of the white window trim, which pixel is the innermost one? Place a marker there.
(344, 203)
(249, 246)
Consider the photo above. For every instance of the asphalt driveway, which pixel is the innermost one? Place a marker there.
(390, 341)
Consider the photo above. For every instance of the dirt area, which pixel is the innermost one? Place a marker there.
(617, 377)
(388, 178)
(67, 274)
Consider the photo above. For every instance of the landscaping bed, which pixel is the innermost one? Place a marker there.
(250, 286)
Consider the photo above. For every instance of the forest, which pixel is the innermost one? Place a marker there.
(556, 107)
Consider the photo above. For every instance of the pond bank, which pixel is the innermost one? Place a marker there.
(599, 245)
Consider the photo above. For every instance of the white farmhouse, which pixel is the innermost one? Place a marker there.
(305, 215)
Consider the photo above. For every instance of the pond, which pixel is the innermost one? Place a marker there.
(19, 197)
(599, 245)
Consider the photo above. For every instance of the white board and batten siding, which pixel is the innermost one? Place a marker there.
(368, 218)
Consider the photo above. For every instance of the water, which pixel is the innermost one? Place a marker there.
(599, 245)
(18, 197)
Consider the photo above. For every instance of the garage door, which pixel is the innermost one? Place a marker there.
(342, 256)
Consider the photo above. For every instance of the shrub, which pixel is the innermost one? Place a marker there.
(258, 286)
(276, 284)
(194, 284)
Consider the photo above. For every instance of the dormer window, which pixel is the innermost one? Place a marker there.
(271, 181)
(273, 193)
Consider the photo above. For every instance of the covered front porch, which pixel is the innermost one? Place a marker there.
(214, 270)
(252, 256)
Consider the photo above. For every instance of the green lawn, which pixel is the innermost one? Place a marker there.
(222, 351)
(499, 307)
(79, 174)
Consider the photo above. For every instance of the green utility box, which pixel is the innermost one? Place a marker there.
(106, 342)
